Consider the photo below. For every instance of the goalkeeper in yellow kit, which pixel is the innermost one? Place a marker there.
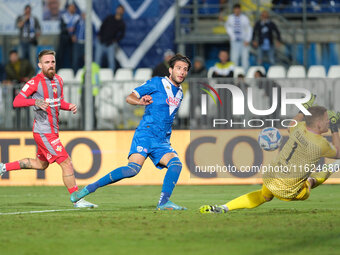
(294, 173)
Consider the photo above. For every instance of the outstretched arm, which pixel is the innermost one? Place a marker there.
(134, 100)
(333, 126)
(68, 106)
(21, 101)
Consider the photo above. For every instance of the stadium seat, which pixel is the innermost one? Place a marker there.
(239, 70)
(316, 71)
(107, 112)
(106, 74)
(276, 72)
(123, 74)
(334, 72)
(210, 72)
(296, 71)
(253, 69)
(143, 74)
(66, 74)
(78, 75)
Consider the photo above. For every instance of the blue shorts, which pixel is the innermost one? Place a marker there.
(149, 146)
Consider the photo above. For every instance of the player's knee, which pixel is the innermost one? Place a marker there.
(44, 165)
(132, 169)
(175, 162)
(268, 198)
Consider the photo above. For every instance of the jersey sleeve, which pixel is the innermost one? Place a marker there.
(63, 104)
(147, 88)
(29, 88)
(328, 150)
(300, 125)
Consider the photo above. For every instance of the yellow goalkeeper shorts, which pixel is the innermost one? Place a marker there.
(302, 195)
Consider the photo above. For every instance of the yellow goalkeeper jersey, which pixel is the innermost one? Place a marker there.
(298, 158)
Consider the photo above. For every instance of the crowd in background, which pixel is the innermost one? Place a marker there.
(264, 37)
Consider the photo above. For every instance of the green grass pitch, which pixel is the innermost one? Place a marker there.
(126, 223)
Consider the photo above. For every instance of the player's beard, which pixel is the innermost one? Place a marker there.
(49, 73)
(174, 78)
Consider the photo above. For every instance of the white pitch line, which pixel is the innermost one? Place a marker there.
(45, 211)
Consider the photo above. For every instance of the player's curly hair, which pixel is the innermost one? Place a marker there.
(179, 57)
(317, 113)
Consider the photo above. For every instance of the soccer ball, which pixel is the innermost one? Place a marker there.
(270, 139)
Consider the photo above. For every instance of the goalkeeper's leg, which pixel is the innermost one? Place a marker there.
(317, 178)
(250, 200)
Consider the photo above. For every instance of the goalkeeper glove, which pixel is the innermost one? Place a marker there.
(333, 120)
(310, 103)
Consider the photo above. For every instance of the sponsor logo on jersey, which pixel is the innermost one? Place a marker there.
(59, 148)
(24, 89)
(31, 82)
(52, 100)
(48, 156)
(139, 148)
(173, 101)
(55, 141)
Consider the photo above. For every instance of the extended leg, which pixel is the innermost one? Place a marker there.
(135, 163)
(249, 200)
(174, 166)
(26, 163)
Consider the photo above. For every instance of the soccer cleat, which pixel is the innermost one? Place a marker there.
(82, 203)
(212, 209)
(77, 195)
(2, 169)
(170, 206)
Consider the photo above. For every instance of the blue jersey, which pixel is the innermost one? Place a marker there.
(159, 116)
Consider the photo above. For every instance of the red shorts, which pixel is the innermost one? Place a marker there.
(50, 148)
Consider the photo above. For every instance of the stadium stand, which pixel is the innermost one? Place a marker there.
(296, 71)
(106, 75)
(143, 74)
(238, 70)
(334, 72)
(251, 71)
(316, 71)
(78, 75)
(66, 74)
(123, 74)
(276, 72)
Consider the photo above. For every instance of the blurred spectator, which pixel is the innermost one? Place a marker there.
(198, 70)
(95, 81)
(67, 27)
(240, 32)
(111, 32)
(241, 83)
(263, 38)
(224, 68)
(267, 85)
(51, 10)
(18, 70)
(2, 73)
(162, 69)
(78, 39)
(29, 33)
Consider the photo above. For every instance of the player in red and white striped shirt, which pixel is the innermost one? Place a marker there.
(46, 90)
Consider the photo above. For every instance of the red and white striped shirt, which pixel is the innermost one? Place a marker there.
(51, 91)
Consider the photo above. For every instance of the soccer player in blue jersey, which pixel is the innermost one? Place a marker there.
(162, 97)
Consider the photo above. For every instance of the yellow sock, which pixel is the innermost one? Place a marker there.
(320, 177)
(250, 200)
